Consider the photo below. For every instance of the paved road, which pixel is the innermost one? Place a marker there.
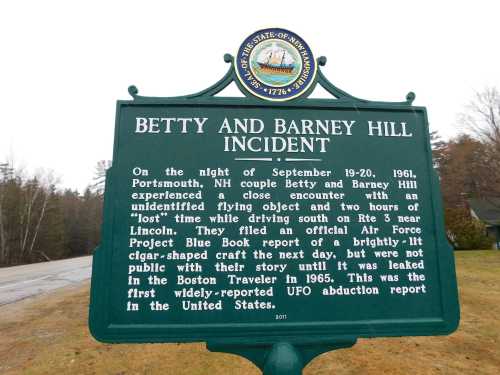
(20, 282)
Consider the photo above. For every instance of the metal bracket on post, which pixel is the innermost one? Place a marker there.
(282, 357)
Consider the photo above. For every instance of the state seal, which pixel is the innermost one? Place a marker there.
(275, 64)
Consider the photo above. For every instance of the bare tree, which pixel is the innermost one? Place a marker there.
(100, 176)
(32, 211)
(482, 116)
(481, 119)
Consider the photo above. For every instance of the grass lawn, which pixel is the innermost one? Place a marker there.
(49, 335)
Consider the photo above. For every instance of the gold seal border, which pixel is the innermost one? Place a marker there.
(279, 99)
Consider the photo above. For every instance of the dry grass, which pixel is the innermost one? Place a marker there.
(49, 335)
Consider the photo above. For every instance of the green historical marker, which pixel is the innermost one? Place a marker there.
(273, 226)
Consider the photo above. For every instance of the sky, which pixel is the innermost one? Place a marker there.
(63, 64)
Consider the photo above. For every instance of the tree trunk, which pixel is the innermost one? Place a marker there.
(37, 228)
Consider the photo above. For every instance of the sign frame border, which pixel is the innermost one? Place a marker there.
(99, 313)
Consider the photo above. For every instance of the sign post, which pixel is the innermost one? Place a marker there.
(273, 226)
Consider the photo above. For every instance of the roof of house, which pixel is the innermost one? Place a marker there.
(486, 209)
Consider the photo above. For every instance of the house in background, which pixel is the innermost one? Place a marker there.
(487, 210)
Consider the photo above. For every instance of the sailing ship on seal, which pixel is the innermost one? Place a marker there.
(275, 63)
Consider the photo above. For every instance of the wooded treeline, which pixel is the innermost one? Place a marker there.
(40, 222)
(469, 167)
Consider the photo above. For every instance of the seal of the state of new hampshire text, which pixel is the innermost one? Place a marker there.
(275, 64)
